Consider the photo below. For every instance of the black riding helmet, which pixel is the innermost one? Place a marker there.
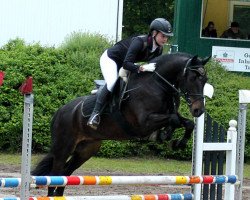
(162, 25)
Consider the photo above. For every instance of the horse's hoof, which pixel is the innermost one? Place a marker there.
(158, 136)
(168, 133)
(174, 120)
(153, 137)
(164, 136)
(174, 145)
(178, 144)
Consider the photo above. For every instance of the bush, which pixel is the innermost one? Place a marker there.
(59, 75)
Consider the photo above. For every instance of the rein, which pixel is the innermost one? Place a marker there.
(167, 82)
(185, 95)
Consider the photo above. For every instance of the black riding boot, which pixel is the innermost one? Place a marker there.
(102, 96)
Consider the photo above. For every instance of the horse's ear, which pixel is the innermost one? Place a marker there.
(205, 60)
(194, 60)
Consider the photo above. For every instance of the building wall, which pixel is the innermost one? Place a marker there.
(187, 30)
(50, 21)
(187, 21)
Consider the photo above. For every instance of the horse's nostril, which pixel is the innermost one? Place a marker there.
(198, 112)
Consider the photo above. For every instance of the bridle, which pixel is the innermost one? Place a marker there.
(185, 94)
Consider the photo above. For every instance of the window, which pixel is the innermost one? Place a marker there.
(240, 12)
(222, 13)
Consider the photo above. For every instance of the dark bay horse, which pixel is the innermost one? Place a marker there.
(152, 103)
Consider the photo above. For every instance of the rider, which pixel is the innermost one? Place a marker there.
(125, 54)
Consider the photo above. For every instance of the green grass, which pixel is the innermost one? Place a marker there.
(131, 165)
(139, 165)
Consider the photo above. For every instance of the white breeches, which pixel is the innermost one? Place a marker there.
(109, 70)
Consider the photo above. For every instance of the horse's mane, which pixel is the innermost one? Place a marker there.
(171, 60)
(166, 57)
(177, 59)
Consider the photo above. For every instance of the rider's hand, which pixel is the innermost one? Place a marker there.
(147, 67)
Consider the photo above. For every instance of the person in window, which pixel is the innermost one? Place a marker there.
(125, 54)
(233, 32)
(209, 31)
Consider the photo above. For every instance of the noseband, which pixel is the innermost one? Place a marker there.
(185, 94)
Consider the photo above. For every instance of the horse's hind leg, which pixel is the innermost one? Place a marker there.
(167, 132)
(61, 151)
(84, 151)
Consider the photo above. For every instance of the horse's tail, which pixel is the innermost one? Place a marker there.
(44, 166)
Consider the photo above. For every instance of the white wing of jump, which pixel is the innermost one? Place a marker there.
(208, 90)
(244, 96)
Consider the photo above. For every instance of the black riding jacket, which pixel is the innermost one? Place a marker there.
(129, 51)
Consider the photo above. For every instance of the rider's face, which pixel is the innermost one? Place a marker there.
(161, 39)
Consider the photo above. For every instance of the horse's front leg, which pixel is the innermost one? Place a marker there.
(189, 127)
(160, 120)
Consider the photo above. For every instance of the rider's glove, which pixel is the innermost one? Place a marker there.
(148, 67)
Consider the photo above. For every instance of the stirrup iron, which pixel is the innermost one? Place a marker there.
(94, 121)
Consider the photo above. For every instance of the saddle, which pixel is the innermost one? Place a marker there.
(112, 107)
(118, 95)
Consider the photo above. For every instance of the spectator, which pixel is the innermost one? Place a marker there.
(233, 32)
(209, 31)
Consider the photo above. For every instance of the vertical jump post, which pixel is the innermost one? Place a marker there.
(234, 148)
(26, 90)
(244, 99)
(198, 138)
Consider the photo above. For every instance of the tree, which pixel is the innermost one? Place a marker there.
(138, 14)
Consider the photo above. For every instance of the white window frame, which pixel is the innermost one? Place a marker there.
(231, 8)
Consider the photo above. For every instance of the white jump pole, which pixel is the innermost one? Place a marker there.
(197, 157)
(231, 158)
(244, 99)
(26, 90)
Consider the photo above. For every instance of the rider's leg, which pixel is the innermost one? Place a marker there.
(102, 96)
(109, 72)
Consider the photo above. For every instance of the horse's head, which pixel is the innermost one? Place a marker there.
(183, 74)
(191, 83)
